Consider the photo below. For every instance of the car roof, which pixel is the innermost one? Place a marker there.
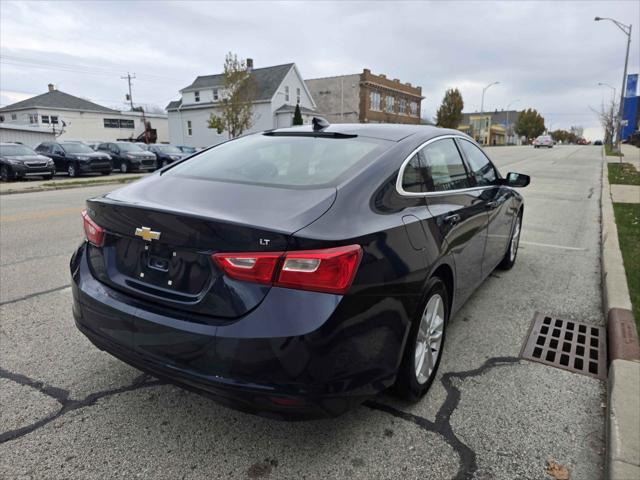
(386, 131)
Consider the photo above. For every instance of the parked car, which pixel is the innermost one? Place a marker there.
(94, 144)
(127, 156)
(298, 271)
(598, 142)
(76, 158)
(142, 145)
(543, 141)
(166, 154)
(19, 161)
(186, 149)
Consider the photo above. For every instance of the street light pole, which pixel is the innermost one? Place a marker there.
(602, 84)
(483, 91)
(626, 29)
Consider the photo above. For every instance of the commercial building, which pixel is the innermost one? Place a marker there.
(491, 128)
(73, 118)
(366, 98)
(277, 90)
(30, 135)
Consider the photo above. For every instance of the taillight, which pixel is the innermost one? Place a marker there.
(93, 231)
(328, 270)
(251, 267)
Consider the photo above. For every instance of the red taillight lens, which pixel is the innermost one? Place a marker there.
(328, 270)
(93, 232)
(251, 267)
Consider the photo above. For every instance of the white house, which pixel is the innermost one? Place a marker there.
(80, 119)
(277, 91)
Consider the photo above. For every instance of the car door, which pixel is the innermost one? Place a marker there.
(496, 200)
(114, 151)
(58, 157)
(458, 213)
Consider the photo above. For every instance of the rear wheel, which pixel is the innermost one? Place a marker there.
(124, 167)
(512, 252)
(6, 174)
(423, 351)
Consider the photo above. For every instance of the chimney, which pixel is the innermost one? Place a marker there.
(51, 87)
(249, 64)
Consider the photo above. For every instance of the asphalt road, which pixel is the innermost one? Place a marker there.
(68, 410)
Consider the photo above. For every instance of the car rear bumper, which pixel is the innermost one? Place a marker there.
(303, 369)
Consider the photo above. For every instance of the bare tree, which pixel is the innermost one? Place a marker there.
(607, 117)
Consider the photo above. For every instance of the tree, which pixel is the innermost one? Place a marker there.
(577, 130)
(607, 116)
(530, 124)
(563, 136)
(236, 110)
(297, 116)
(449, 114)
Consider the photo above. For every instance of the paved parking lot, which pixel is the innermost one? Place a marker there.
(71, 411)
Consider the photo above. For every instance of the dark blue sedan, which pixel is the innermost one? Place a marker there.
(296, 272)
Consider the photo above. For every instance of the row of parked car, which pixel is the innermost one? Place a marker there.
(76, 158)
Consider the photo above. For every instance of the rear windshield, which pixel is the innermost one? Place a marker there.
(15, 150)
(286, 161)
(129, 147)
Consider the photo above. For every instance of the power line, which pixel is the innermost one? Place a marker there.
(128, 79)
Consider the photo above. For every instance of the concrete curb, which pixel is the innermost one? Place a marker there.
(65, 185)
(623, 392)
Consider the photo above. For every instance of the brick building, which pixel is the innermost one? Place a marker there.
(366, 98)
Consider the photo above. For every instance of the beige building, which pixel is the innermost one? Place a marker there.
(366, 98)
(73, 118)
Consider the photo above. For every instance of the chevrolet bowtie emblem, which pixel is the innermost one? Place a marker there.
(147, 234)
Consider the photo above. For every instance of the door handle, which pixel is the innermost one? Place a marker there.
(492, 204)
(452, 219)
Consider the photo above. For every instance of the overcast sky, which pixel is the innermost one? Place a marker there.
(546, 55)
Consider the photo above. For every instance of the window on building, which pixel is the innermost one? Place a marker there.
(1, 118)
(216, 95)
(375, 101)
(414, 109)
(54, 119)
(286, 93)
(45, 118)
(189, 129)
(112, 123)
(33, 118)
(403, 106)
(14, 116)
(390, 102)
(297, 95)
(196, 96)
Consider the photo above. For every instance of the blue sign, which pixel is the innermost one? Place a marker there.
(632, 85)
(630, 115)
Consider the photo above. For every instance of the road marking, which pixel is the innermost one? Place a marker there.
(37, 294)
(548, 245)
(40, 215)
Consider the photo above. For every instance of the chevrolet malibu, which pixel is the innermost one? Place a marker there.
(296, 272)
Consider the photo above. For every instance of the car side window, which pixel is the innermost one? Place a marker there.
(481, 168)
(444, 167)
(412, 177)
(57, 150)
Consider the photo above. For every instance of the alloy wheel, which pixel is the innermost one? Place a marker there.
(71, 170)
(429, 339)
(124, 167)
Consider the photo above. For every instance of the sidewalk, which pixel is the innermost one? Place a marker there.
(631, 155)
(60, 182)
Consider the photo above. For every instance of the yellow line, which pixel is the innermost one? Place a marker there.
(40, 215)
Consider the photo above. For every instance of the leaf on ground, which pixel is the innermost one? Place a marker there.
(557, 471)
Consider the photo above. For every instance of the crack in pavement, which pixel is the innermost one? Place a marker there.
(32, 295)
(442, 425)
(62, 397)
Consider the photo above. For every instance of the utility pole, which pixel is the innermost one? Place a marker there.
(128, 78)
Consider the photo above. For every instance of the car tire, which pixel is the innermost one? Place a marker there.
(6, 174)
(423, 350)
(72, 169)
(124, 167)
(512, 251)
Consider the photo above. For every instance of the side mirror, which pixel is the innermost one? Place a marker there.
(517, 180)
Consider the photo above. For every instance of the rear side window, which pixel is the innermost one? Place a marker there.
(444, 167)
(481, 168)
(279, 160)
(412, 177)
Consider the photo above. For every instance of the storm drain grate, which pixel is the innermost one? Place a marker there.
(574, 346)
